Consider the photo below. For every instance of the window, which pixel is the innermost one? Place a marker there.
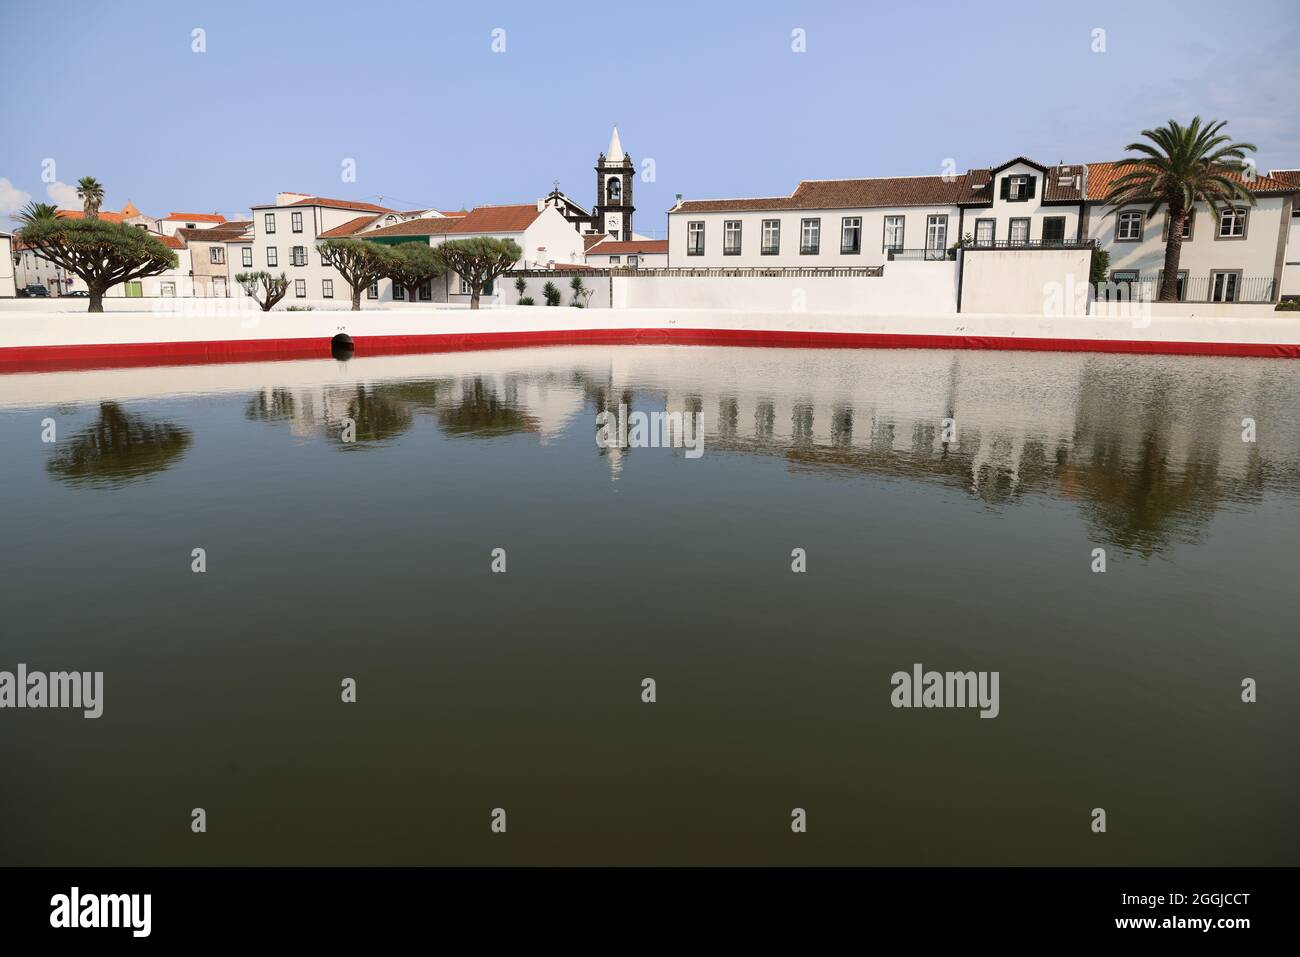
(731, 237)
(300, 288)
(1019, 188)
(615, 260)
(850, 235)
(426, 291)
(1122, 283)
(1232, 225)
(771, 244)
(219, 286)
(465, 289)
(272, 256)
(1019, 233)
(399, 291)
(614, 191)
(1223, 285)
(1181, 280)
(167, 288)
(810, 237)
(633, 261)
(1187, 226)
(936, 237)
(217, 255)
(372, 291)
(1129, 227)
(695, 239)
(893, 233)
(985, 230)
(269, 221)
(295, 222)
(1053, 230)
(299, 254)
(327, 288)
(246, 255)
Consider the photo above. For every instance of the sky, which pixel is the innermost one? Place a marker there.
(451, 105)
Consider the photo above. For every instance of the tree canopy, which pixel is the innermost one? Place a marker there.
(360, 262)
(264, 289)
(100, 253)
(478, 261)
(412, 264)
(1180, 167)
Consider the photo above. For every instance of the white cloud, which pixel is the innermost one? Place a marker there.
(64, 196)
(12, 198)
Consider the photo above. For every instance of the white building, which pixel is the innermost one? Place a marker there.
(8, 286)
(540, 230)
(1291, 259)
(284, 240)
(628, 254)
(1019, 204)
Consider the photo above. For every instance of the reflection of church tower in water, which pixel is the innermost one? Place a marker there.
(614, 174)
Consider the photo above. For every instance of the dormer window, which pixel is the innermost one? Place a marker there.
(1018, 188)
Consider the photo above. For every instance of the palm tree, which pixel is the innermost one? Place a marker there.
(33, 213)
(1185, 166)
(91, 192)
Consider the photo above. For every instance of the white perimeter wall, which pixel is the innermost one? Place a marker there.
(1041, 282)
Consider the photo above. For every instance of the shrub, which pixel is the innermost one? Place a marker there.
(551, 294)
(527, 301)
(1288, 305)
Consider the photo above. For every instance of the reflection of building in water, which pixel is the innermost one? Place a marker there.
(1149, 446)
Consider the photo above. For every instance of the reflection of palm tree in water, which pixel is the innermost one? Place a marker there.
(118, 449)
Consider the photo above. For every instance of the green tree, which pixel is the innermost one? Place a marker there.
(35, 212)
(1180, 167)
(266, 290)
(101, 254)
(551, 293)
(412, 265)
(91, 193)
(361, 263)
(581, 294)
(521, 287)
(478, 261)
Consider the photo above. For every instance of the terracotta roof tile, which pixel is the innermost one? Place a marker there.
(217, 234)
(195, 217)
(341, 204)
(1102, 177)
(413, 227)
(631, 246)
(497, 219)
(348, 228)
(1289, 176)
(590, 239)
(107, 215)
(846, 194)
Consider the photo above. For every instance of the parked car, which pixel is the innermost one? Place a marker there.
(33, 290)
(78, 294)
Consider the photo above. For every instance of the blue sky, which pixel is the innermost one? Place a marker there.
(712, 92)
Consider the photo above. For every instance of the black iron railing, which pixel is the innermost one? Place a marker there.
(933, 255)
(972, 244)
(1220, 287)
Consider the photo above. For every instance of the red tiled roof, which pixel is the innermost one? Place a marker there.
(455, 214)
(341, 204)
(172, 242)
(846, 194)
(1289, 176)
(1102, 177)
(106, 215)
(348, 228)
(497, 219)
(216, 234)
(432, 226)
(196, 217)
(632, 246)
(590, 239)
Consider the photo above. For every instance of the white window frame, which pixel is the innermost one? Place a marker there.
(895, 233)
(268, 223)
(327, 288)
(1234, 219)
(1018, 222)
(810, 228)
(731, 228)
(770, 244)
(300, 288)
(246, 256)
(295, 221)
(850, 226)
(695, 238)
(1128, 227)
(272, 256)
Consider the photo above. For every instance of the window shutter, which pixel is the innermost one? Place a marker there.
(1006, 187)
(1029, 187)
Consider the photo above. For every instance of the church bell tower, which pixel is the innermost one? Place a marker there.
(613, 208)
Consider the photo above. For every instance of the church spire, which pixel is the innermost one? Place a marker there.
(615, 152)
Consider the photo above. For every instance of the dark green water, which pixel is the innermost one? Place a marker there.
(522, 690)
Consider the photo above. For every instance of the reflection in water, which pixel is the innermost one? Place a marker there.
(1149, 448)
(118, 449)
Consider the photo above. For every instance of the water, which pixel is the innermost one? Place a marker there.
(522, 690)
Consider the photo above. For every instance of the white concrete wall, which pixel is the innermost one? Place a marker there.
(1291, 269)
(905, 288)
(599, 286)
(1045, 282)
(23, 328)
